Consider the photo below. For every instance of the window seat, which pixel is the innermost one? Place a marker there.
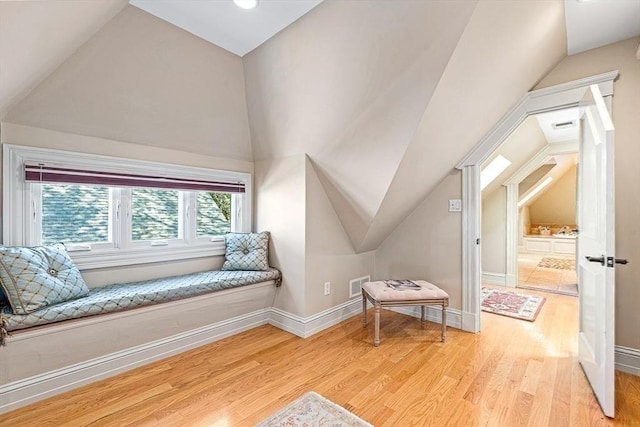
(126, 296)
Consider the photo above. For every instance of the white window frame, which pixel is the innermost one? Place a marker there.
(21, 222)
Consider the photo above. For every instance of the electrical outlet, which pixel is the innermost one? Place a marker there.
(455, 205)
(327, 288)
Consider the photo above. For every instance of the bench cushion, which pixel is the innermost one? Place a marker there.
(380, 291)
(125, 296)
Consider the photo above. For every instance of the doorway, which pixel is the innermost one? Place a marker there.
(567, 95)
(534, 172)
(595, 208)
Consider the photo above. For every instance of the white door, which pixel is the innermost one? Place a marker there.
(596, 248)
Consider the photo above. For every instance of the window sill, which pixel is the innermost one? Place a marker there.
(134, 256)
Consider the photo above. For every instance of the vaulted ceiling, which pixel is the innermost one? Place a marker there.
(383, 97)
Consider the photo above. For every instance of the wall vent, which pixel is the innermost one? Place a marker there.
(564, 125)
(355, 286)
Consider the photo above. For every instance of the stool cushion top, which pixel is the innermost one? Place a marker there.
(380, 291)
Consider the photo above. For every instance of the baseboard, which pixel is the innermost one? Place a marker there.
(434, 314)
(29, 390)
(22, 392)
(470, 322)
(627, 360)
(494, 279)
(305, 327)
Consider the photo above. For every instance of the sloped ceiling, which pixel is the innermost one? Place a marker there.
(36, 37)
(524, 143)
(142, 80)
(383, 97)
(393, 94)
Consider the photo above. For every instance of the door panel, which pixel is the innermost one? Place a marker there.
(596, 239)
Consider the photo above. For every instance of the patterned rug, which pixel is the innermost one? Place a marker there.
(559, 263)
(313, 410)
(519, 306)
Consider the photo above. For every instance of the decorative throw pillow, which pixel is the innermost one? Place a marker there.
(247, 251)
(32, 278)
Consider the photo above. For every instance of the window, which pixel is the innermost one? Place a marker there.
(154, 214)
(493, 170)
(75, 214)
(108, 215)
(213, 213)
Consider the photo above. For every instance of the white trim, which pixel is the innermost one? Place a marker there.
(511, 236)
(434, 314)
(547, 99)
(305, 327)
(627, 360)
(494, 278)
(108, 317)
(531, 165)
(564, 95)
(19, 203)
(22, 392)
(471, 232)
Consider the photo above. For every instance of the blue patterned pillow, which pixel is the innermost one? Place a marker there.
(32, 278)
(247, 251)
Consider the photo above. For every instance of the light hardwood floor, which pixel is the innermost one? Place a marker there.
(515, 373)
(532, 276)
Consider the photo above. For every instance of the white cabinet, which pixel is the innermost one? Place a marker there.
(550, 245)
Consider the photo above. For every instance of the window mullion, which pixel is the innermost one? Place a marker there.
(190, 216)
(124, 221)
(34, 209)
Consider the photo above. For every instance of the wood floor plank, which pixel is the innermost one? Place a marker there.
(514, 373)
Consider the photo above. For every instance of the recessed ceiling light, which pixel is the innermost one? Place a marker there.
(246, 4)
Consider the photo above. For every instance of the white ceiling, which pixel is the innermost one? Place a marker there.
(223, 23)
(546, 121)
(596, 23)
(590, 23)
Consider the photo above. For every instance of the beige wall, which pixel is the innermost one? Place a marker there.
(140, 79)
(518, 148)
(38, 36)
(280, 208)
(494, 232)
(140, 88)
(329, 253)
(427, 245)
(308, 242)
(505, 49)
(557, 205)
(347, 84)
(379, 119)
(619, 56)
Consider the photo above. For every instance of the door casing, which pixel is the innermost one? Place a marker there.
(565, 95)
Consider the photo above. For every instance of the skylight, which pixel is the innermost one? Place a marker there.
(493, 170)
(535, 191)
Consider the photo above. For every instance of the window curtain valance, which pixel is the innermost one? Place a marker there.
(38, 172)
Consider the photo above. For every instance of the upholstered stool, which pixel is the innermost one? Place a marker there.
(382, 295)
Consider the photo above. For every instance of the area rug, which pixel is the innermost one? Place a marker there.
(558, 263)
(519, 306)
(313, 410)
